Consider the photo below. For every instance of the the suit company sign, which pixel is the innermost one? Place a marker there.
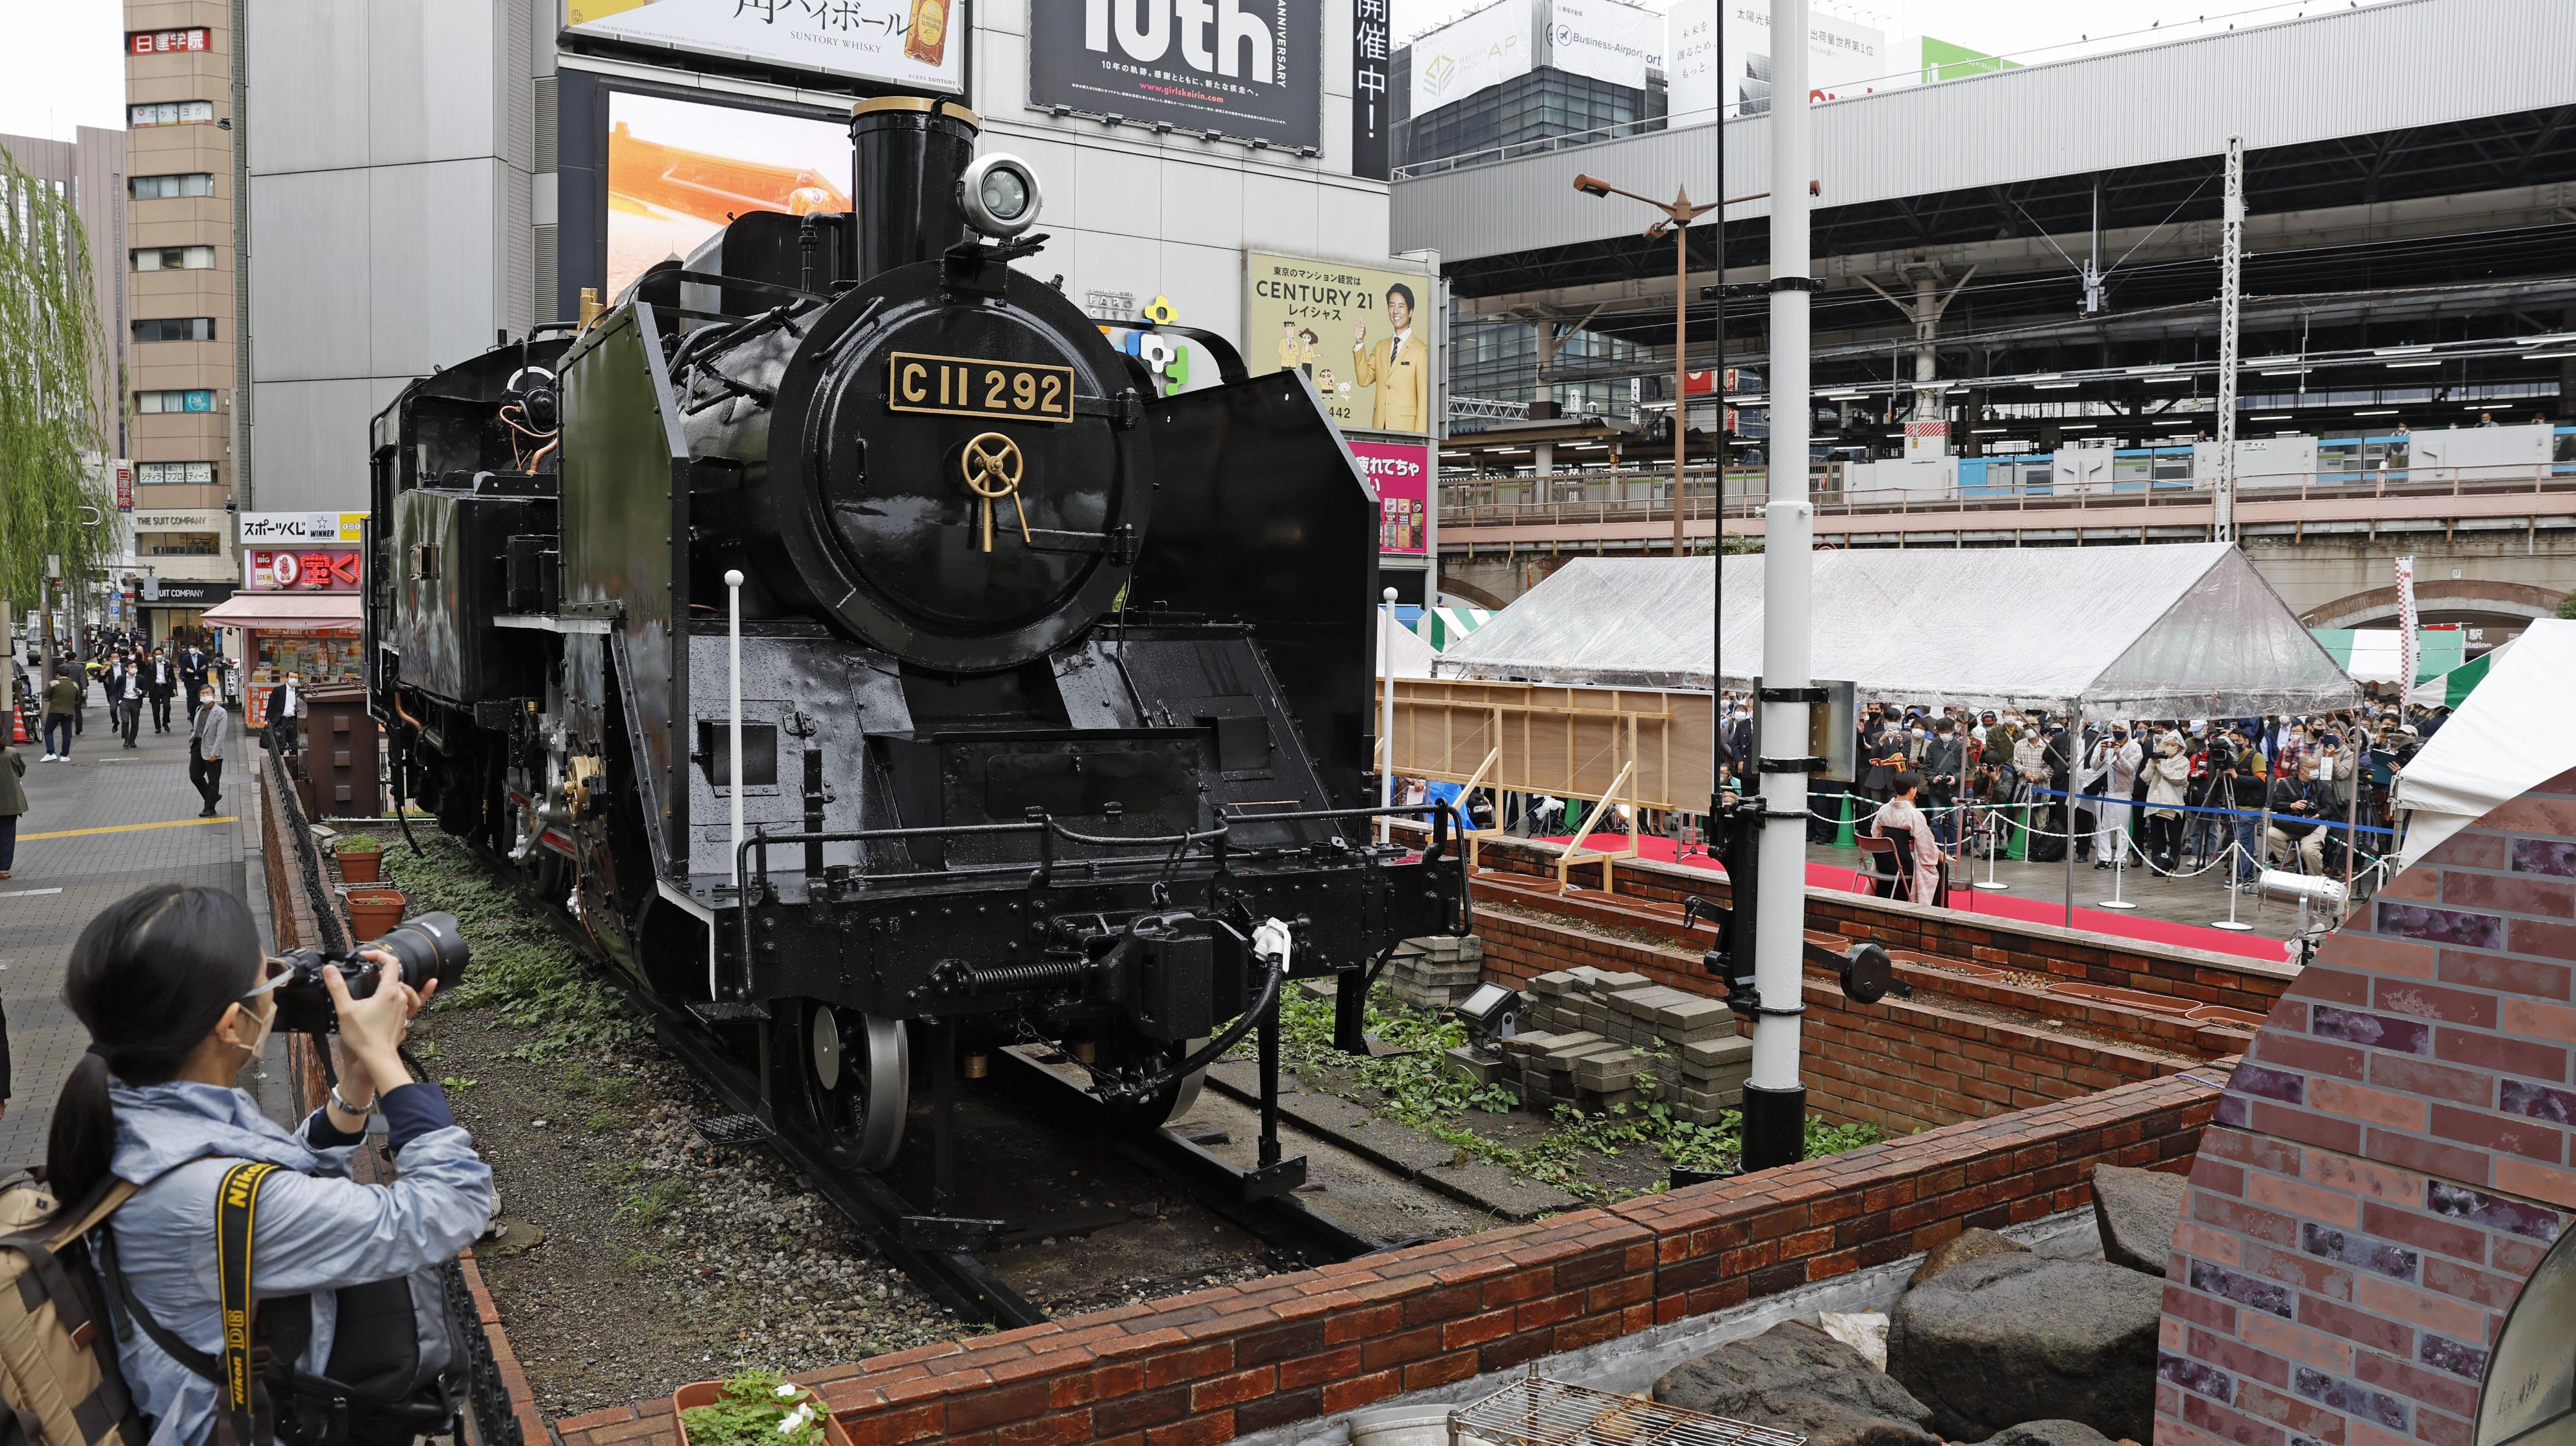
(1243, 70)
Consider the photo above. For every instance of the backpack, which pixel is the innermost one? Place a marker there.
(393, 1352)
(58, 1374)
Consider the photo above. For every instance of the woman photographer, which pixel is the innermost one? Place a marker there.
(172, 985)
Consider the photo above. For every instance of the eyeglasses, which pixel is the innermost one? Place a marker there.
(273, 972)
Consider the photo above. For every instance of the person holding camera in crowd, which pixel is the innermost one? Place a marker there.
(178, 999)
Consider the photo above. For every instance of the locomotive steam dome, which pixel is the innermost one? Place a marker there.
(958, 467)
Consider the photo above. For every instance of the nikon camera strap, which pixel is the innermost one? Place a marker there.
(236, 1218)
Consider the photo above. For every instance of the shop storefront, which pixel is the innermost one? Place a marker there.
(302, 577)
(177, 616)
(312, 635)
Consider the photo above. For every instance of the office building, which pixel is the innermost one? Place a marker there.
(179, 329)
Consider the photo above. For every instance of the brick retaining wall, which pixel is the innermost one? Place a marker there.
(1899, 1064)
(1207, 1367)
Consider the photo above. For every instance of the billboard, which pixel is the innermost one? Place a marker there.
(300, 529)
(1844, 57)
(678, 170)
(920, 44)
(1401, 473)
(1691, 44)
(1364, 337)
(1248, 70)
(1608, 40)
(307, 569)
(1465, 56)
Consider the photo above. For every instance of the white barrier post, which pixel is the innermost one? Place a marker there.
(1994, 847)
(2229, 923)
(2119, 866)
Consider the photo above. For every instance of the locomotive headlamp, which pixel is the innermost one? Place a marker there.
(999, 195)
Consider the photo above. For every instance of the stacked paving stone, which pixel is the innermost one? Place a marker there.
(1436, 972)
(1596, 1038)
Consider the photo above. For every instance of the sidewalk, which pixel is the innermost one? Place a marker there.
(96, 829)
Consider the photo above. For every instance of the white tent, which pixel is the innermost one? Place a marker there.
(2510, 736)
(2184, 630)
(1410, 656)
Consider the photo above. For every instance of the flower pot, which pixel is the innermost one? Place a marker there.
(374, 912)
(704, 1393)
(362, 868)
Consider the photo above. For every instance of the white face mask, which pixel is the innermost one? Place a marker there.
(259, 1042)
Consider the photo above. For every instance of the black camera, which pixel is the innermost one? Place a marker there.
(427, 948)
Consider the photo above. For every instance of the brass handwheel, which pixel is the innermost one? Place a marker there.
(992, 466)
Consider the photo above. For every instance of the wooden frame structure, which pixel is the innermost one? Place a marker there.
(1634, 746)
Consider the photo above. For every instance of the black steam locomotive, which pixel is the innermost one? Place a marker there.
(1051, 689)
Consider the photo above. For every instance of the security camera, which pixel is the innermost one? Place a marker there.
(999, 194)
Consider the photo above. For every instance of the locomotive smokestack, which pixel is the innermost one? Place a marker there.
(907, 154)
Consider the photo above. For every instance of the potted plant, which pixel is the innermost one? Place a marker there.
(756, 1408)
(362, 858)
(374, 912)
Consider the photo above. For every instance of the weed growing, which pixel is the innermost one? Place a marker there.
(1418, 1089)
(521, 968)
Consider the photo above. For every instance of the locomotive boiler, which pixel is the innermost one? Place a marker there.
(1052, 691)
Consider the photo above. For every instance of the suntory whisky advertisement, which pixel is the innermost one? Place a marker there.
(916, 43)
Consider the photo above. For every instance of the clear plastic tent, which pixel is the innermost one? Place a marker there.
(2186, 630)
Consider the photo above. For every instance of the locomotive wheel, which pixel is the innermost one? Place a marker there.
(1172, 1101)
(857, 1070)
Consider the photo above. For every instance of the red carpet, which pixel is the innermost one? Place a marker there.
(2004, 905)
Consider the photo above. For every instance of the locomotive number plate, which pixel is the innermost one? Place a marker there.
(965, 386)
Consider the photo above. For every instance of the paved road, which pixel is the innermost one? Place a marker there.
(97, 828)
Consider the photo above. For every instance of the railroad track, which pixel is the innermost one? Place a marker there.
(1262, 1203)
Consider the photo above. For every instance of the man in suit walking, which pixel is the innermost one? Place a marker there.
(1398, 366)
(160, 683)
(192, 677)
(210, 731)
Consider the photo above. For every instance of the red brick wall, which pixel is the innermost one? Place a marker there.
(1955, 1064)
(2391, 1162)
(1207, 1367)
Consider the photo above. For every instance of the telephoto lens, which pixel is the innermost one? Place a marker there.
(429, 947)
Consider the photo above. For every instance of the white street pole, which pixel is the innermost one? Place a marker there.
(733, 745)
(1775, 1103)
(1386, 709)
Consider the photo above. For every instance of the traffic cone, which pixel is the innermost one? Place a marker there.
(2020, 847)
(18, 727)
(1843, 834)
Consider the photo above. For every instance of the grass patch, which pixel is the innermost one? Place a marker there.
(1417, 1089)
(522, 969)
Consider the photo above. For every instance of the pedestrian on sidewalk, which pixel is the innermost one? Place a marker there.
(127, 699)
(161, 681)
(208, 736)
(285, 712)
(13, 803)
(62, 714)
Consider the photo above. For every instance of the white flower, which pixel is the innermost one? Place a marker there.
(786, 1388)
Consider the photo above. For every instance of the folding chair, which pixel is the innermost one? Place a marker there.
(1881, 866)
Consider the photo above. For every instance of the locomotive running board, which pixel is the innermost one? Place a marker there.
(1262, 1202)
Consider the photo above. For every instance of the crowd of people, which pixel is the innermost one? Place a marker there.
(138, 678)
(2299, 792)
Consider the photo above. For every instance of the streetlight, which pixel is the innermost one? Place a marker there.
(1678, 214)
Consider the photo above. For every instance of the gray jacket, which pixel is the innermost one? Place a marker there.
(317, 1230)
(212, 733)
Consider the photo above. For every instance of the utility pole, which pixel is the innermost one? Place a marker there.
(1678, 215)
(2231, 285)
(1775, 1103)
